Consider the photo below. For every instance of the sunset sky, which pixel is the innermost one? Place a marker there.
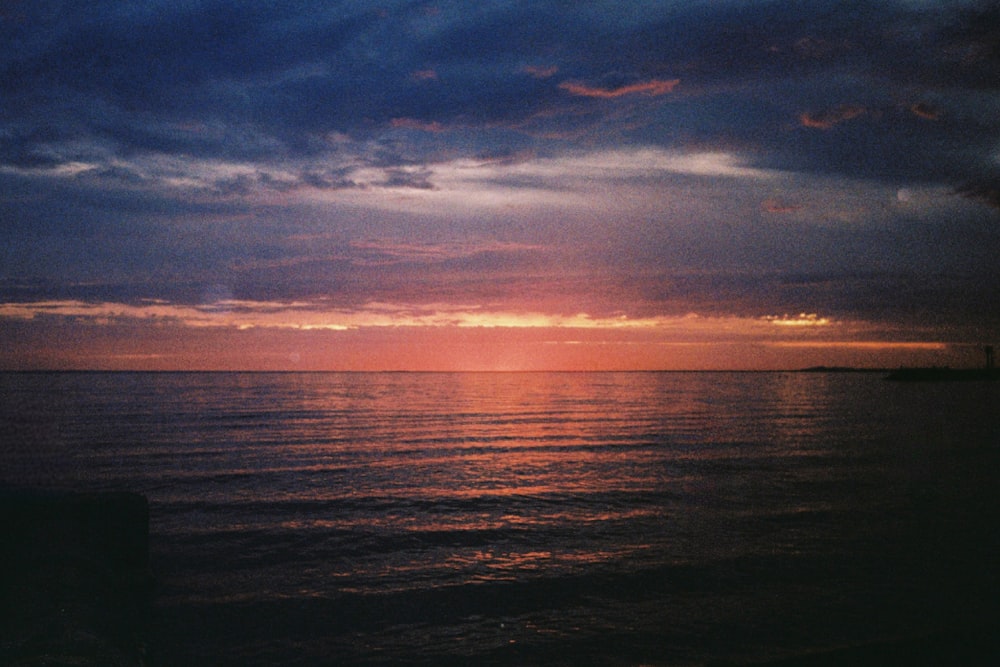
(488, 185)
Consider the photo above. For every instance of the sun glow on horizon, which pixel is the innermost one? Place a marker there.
(314, 335)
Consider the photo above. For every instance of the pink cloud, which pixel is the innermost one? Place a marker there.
(777, 206)
(414, 124)
(653, 88)
(824, 120)
(540, 72)
(424, 75)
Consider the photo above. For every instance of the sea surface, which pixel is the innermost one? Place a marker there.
(532, 518)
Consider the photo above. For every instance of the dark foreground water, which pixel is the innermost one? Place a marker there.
(507, 518)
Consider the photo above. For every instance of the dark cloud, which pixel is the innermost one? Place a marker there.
(985, 191)
(150, 55)
(398, 178)
(252, 81)
(329, 180)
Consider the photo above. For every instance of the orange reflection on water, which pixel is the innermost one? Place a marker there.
(465, 435)
(505, 564)
(445, 523)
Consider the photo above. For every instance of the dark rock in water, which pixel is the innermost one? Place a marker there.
(75, 580)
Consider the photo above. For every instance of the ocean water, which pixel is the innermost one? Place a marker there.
(532, 518)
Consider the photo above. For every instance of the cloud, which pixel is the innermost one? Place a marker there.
(420, 125)
(824, 120)
(317, 315)
(925, 111)
(985, 191)
(382, 252)
(540, 72)
(415, 179)
(231, 82)
(652, 88)
(424, 75)
(574, 182)
(329, 180)
(636, 162)
(800, 320)
(777, 206)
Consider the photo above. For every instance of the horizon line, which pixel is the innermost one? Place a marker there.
(808, 369)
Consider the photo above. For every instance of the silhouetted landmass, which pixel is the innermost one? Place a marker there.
(840, 369)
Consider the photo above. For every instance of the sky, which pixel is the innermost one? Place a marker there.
(498, 185)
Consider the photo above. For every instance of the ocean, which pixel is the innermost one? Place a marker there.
(532, 518)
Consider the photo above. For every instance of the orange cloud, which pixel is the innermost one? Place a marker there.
(925, 111)
(651, 88)
(321, 315)
(824, 120)
(424, 75)
(540, 72)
